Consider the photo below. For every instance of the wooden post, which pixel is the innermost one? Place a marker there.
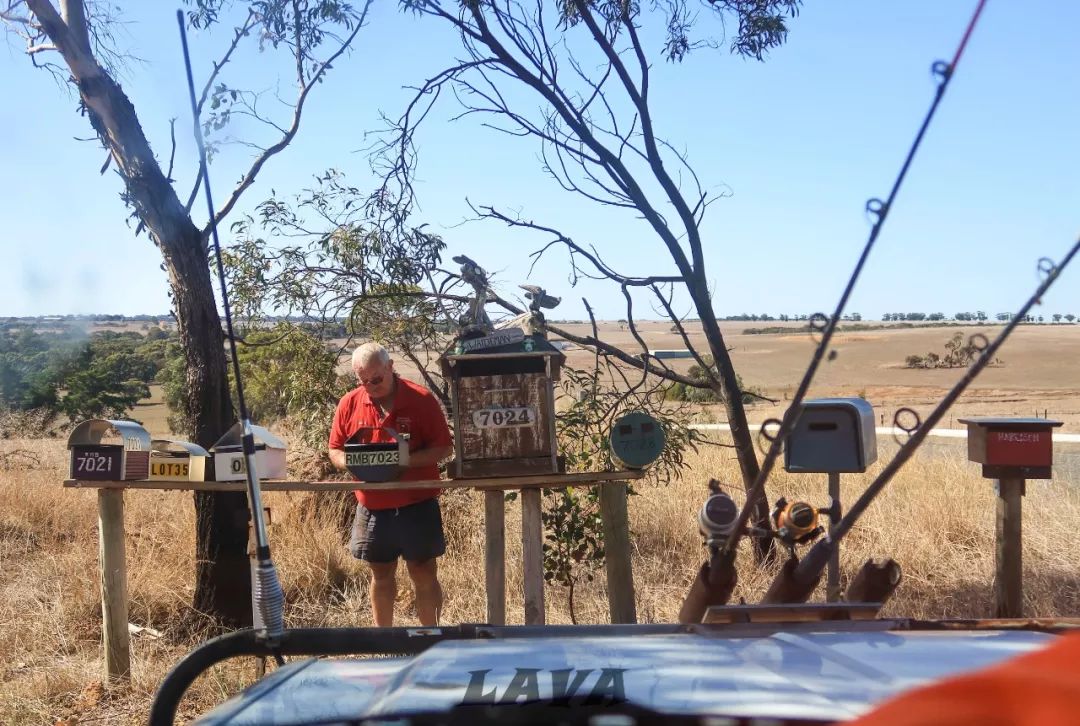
(495, 556)
(620, 575)
(832, 580)
(532, 551)
(1008, 573)
(114, 600)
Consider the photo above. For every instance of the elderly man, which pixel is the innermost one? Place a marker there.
(399, 522)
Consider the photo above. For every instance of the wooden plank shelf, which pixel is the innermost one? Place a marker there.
(539, 481)
(114, 596)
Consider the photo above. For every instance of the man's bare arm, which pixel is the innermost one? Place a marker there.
(337, 458)
(427, 457)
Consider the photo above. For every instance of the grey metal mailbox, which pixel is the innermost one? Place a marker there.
(832, 435)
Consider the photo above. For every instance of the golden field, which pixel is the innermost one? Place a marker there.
(936, 518)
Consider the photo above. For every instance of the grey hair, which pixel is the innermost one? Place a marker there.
(368, 352)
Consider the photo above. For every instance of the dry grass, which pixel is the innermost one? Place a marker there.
(936, 519)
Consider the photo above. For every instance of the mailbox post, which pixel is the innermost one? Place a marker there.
(1011, 451)
(832, 436)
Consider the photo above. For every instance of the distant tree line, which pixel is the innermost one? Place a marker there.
(977, 316)
(102, 375)
(783, 318)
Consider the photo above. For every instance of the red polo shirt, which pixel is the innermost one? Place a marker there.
(416, 412)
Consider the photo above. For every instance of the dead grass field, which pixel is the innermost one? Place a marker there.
(936, 519)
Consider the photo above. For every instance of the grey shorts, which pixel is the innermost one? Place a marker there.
(413, 532)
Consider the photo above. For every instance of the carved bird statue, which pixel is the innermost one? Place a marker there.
(473, 274)
(477, 320)
(539, 297)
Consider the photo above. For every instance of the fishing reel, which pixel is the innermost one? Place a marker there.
(796, 522)
(793, 523)
(717, 517)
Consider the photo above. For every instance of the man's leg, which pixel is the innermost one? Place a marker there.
(424, 574)
(383, 592)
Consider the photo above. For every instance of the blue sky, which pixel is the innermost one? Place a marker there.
(802, 141)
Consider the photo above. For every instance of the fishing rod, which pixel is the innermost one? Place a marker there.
(268, 599)
(827, 326)
(795, 582)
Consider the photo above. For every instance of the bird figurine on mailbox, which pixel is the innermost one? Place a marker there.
(476, 322)
(539, 299)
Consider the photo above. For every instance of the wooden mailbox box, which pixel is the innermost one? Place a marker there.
(228, 455)
(177, 461)
(1008, 448)
(107, 450)
(502, 389)
(832, 435)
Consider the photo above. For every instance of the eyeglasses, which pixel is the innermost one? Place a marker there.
(377, 380)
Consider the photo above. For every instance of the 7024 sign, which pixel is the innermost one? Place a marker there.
(499, 418)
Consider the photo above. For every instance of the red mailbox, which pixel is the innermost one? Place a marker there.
(1012, 448)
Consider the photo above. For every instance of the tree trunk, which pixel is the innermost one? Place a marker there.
(222, 580)
(223, 585)
(764, 549)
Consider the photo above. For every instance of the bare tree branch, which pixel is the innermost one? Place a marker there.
(249, 177)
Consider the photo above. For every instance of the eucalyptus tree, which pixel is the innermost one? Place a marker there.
(73, 42)
(576, 79)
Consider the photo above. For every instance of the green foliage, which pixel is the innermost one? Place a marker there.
(574, 540)
(290, 373)
(104, 389)
(679, 391)
(173, 379)
(398, 316)
(958, 354)
(361, 254)
(762, 24)
(574, 543)
(101, 376)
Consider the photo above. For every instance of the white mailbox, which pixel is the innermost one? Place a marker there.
(228, 454)
(832, 435)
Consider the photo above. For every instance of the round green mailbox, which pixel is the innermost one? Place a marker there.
(636, 440)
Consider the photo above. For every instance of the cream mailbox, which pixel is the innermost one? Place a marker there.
(229, 455)
(832, 435)
(107, 450)
(177, 461)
